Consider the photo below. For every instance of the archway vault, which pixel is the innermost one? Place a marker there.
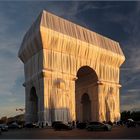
(86, 92)
(86, 107)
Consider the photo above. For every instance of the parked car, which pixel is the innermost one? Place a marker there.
(110, 123)
(14, 126)
(4, 127)
(81, 125)
(130, 123)
(95, 126)
(31, 125)
(62, 126)
(120, 122)
(0, 131)
(55, 122)
(138, 123)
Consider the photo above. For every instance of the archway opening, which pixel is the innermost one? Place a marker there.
(86, 94)
(86, 107)
(33, 105)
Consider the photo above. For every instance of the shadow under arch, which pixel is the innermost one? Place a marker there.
(86, 107)
(85, 90)
(33, 105)
(86, 70)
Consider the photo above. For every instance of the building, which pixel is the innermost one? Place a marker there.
(71, 73)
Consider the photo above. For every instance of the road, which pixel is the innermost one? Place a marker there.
(118, 132)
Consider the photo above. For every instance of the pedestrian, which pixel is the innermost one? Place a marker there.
(46, 124)
(73, 124)
(42, 125)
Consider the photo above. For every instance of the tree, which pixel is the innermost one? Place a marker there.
(3, 119)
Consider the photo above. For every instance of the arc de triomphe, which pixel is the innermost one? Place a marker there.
(71, 73)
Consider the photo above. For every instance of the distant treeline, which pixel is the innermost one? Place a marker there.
(17, 118)
(135, 115)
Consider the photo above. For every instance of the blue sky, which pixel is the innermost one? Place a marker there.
(117, 20)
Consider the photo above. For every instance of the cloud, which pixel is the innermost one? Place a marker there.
(133, 90)
(98, 6)
(10, 66)
(16, 18)
(12, 93)
(130, 100)
(120, 22)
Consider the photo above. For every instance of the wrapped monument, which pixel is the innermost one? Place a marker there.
(71, 73)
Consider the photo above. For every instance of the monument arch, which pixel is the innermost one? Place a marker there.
(53, 50)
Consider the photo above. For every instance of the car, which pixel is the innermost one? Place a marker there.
(95, 126)
(4, 127)
(81, 125)
(130, 123)
(0, 131)
(14, 126)
(31, 125)
(55, 122)
(138, 123)
(120, 122)
(62, 126)
(110, 123)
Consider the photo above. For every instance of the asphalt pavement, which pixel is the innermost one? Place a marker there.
(117, 132)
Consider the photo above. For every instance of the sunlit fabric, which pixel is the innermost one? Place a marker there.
(64, 61)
